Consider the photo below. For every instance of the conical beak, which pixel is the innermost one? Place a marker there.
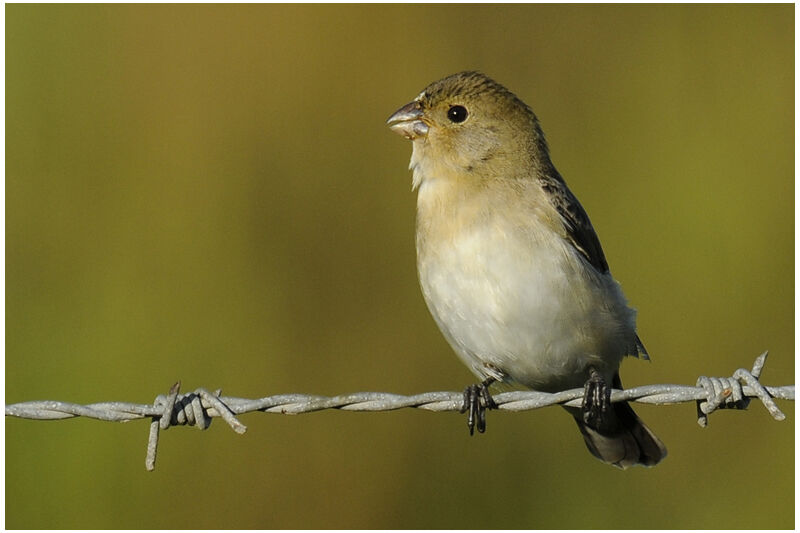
(407, 121)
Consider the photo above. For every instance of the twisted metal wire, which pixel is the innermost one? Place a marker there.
(198, 408)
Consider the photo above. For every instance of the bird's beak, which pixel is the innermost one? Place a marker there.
(407, 121)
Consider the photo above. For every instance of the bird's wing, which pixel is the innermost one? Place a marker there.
(576, 222)
(580, 232)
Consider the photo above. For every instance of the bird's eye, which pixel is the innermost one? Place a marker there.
(457, 113)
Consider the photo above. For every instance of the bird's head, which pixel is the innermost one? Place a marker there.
(470, 126)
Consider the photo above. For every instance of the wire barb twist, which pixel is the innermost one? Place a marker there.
(186, 409)
(727, 393)
(200, 407)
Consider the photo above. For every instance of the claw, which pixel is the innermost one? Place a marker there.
(596, 400)
(470, 404)
(477, 400)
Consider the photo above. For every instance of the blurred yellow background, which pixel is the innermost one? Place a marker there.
(209, 193)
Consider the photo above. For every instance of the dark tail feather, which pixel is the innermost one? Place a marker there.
(626, 443)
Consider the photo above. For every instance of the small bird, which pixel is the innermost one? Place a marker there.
(510, 266)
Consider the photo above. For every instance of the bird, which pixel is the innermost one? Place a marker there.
(509, 264)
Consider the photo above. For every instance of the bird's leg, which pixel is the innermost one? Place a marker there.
(596, 400)
(477, 400)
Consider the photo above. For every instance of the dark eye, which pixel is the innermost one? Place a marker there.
(457, 113)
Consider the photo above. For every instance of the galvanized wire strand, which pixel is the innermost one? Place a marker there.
(198, 408)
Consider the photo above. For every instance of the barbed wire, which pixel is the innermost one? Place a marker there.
(198, 408)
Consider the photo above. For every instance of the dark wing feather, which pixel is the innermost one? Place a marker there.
(579, 229)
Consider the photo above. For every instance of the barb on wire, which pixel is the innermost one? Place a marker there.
(198, 408)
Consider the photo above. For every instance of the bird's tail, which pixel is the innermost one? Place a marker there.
(625, 442)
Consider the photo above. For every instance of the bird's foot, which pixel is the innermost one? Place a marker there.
(596, 401)
(477, 400)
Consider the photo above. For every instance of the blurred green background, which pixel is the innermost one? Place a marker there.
(210, 194)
